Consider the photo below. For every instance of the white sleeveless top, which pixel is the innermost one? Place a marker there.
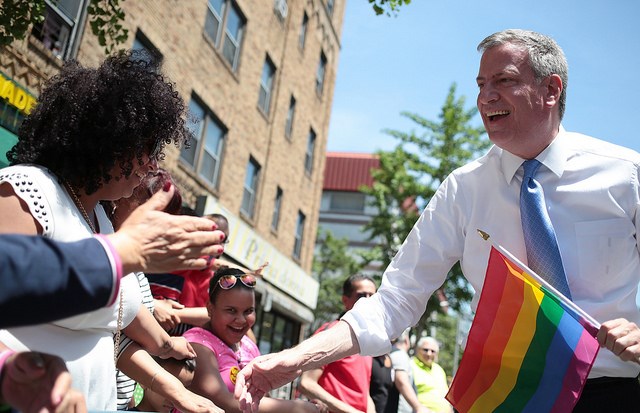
(85, 341)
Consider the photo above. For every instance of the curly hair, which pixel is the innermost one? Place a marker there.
(89, 120)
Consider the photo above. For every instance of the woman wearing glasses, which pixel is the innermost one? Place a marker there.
(223, 347)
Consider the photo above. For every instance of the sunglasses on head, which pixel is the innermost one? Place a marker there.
(227, 282)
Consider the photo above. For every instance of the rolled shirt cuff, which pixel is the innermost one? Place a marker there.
(116, 265)
(372, 337)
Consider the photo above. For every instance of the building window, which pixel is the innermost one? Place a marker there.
(281, 8)
(322, 67)
(274, 332)
(205, 151)
(303, 30)
(250, 191)
(308, 156)
(266, 85)
(277, 204)
(223, 16)
(299, 237)
(213, 21)
(330, 4)
(147, 50)
(57, 30)
(353, 202)
(288, 126)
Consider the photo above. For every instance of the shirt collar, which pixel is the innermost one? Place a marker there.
(421, 364)
(554, 157)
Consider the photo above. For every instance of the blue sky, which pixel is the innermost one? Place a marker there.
(407, 63)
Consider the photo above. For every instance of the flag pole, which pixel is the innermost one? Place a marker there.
(544, 283)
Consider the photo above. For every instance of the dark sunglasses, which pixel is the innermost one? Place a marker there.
(227, 282)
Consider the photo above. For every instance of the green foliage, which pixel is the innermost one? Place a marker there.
(16, 17)
(388, 7)
(409, 176)
(446, 329)
(393, 186)
(332, 264)
(106, 18)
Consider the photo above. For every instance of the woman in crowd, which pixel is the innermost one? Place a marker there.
(93, 136)
(223, 347)
(132, 360)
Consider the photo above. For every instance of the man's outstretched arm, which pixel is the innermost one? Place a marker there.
(271, 371)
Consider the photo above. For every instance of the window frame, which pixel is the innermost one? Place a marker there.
(309, 155)
(237, 43)
(302, 35)
(250, 193)
(223, 35)
(291, 113)
(321, 73)
(330, 7)
(267, 90)
(148, 47)
(299, 236)
(207, 120)
(68, 46)
(277, 208)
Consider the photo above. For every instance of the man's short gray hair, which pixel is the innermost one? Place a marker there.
(427, 339)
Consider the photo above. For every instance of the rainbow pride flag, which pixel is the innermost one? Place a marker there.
(529, 348)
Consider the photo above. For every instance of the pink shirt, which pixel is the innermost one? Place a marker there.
(229, 362)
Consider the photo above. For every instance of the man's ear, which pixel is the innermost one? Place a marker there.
(344, 300)
(554, 89)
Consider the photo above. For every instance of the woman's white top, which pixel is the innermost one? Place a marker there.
(85, 341)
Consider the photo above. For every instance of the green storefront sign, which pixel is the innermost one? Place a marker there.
(16, 102)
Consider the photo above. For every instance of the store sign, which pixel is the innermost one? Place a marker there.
(252, 251)
(15, 95)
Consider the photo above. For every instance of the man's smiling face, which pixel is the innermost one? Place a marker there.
(511, 101)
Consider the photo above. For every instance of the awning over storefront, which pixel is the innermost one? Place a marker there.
(292, 288)
(7, 140)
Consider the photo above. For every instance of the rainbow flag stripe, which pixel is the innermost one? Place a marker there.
(528, 350)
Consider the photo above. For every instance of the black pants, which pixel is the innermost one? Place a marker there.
(610, 394)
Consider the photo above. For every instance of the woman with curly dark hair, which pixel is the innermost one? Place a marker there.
(93, 136)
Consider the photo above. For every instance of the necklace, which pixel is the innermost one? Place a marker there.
(78, 204)
(76, 201)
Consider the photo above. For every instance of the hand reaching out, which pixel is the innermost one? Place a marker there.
(178, 348)
(164, 312)
(37, 382)
(260, 376)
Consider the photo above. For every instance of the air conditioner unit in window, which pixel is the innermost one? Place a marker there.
(281, 8)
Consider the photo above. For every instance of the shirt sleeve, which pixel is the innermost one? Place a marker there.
(116, 264)
(418, 269)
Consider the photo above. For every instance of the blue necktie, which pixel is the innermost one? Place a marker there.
(539, 237)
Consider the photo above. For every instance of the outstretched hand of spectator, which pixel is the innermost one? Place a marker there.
(260, 376)
(150, 240)
(38, 382)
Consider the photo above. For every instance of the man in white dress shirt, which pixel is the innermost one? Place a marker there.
(591, 189)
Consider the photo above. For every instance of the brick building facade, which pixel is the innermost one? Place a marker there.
(258, 76)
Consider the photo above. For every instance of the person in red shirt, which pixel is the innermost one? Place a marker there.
(344, 384)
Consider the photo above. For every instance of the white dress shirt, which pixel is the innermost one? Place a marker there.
(591, 189)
